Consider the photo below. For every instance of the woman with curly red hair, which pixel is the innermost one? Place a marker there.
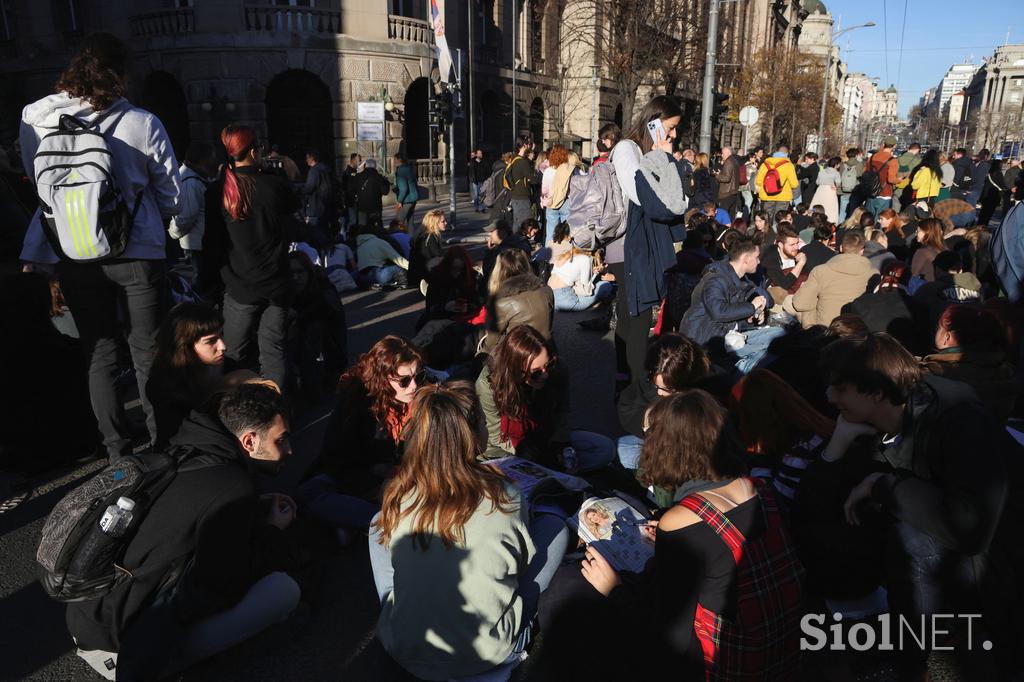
(364, 434)
(259, 211)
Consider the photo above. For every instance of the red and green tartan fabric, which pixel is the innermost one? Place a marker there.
(762, 640)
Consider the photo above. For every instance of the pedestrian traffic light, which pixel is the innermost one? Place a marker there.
(720, 106)
(444, 107)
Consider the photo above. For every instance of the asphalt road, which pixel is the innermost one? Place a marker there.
(331, 640)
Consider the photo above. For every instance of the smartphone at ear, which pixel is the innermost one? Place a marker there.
(656, 130)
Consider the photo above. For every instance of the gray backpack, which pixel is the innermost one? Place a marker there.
(84, 215)
(597, 212)
(849, 177)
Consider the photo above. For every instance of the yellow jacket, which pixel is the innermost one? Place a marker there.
(926, 185)
(787, 176)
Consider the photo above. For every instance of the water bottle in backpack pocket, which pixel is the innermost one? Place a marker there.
(83, 213)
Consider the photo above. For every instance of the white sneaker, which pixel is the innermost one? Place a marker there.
(103, 662)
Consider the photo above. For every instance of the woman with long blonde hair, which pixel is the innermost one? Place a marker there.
(452, 551)
(704, 189)
(427, 248)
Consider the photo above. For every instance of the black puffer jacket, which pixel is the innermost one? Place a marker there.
(210, 514)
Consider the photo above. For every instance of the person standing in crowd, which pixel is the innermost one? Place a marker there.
(705, 187)
(607, 137)
(209, 558)
(807, 174)
(926, 178)
(556, 180)
(696, 575)
(92, 88)
(963, 175)
(316, 193)
(979, 175)
(478, 172)
(948, 175)
(651, 182)
(427, 247)
(827, 192)
(259, 210)
(776, 180)
(407, 191)
(445, 511)
(189, 225)
(729, 183)
(849, 174)
(519, 179)
(909, 160)
(832, 285)
(370, 189)
(749, 190)
(993, 193)
(886, 167)
(285, 163)
(348, 189)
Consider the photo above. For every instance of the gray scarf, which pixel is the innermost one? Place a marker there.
(659, 170)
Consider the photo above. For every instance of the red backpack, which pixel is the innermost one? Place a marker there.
(772, 180)
(762, 640)
(743, 175)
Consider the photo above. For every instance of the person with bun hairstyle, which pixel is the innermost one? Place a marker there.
(259, 211)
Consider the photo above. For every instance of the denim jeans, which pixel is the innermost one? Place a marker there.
(593, 450)
(756, 347)
(844, 201)
(271, 322)
(379, 274)
(320, 500)
(474, 193)
(550, 536)
(566, 298)
(552, 217)
(93, 293)
(629, 447)
(876, 205)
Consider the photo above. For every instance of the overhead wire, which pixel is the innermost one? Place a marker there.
(885, 37)
(903, 31)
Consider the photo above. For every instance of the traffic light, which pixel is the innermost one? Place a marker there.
(444, 107)
(720, 106)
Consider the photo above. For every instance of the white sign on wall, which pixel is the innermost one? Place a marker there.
(369, 132)
(370, 112)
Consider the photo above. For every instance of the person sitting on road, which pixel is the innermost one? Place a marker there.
(572, 277)
(832, 285)
(380, 265)
(427, 247)
(208, 557)
(501, 238)
(696, 575)
(515, 297)
(457, 561)
(785, 264)
(524, 392)
(363, 439)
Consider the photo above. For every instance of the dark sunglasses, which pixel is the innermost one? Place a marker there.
(542, 372)
(422, 378)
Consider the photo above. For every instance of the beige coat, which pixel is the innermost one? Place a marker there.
(831, 286)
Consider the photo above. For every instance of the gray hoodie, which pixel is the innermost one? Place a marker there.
(143, 162)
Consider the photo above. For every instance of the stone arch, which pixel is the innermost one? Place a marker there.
(163, 95)
(299, 115)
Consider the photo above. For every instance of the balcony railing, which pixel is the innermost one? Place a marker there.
(430, 171)
(292, 19)
(410, 30)
(163, 23)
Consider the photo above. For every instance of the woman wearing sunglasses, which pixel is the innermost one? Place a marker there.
(524, 393)
(364, 435)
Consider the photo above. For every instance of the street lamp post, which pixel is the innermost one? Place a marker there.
(828, 73)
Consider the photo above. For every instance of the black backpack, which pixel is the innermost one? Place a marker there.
(871, 182)
(79, 561)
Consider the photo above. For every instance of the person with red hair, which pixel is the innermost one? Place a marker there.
(259, 211)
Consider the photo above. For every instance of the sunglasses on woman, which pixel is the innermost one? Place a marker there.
(537, 374)
(422, 378)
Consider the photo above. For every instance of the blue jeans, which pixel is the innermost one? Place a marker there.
(629, 447)
(876, 205)
(553, 216)
(567, 299)
(550, 536)
(94, 292)
(474, 193)
(844, 201)
(593, 450)
(380, 274)
(320, 499)
(964, 219)
(756, 347)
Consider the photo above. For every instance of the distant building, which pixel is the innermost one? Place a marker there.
(956, 79)
(859, 98)
(995, 99)
(885, 108)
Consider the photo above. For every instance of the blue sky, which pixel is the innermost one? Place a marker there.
(936, 34)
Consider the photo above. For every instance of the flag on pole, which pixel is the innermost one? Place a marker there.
(444, 57)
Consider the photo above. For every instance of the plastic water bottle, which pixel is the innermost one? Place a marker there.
(117, 517)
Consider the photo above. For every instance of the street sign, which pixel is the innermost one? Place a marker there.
(369, 132)
(370, 112)
(749, 116)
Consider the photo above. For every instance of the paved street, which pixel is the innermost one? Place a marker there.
(330, 641)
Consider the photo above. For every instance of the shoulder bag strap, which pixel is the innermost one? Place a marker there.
(718, 522)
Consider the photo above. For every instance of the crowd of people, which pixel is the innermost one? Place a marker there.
(817, 370)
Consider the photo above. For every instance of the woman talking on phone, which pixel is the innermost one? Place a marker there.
(652, 189)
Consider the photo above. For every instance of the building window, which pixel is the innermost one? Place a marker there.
(414, 9)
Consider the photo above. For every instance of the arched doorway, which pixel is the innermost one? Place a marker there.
(537, 122)
(163, 96)
(490, 122)
(618, 115)
(299, 115)
(416, 131)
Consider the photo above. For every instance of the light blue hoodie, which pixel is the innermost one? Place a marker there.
(143, 162)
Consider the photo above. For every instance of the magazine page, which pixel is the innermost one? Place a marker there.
(613, 527)
(525, 475)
